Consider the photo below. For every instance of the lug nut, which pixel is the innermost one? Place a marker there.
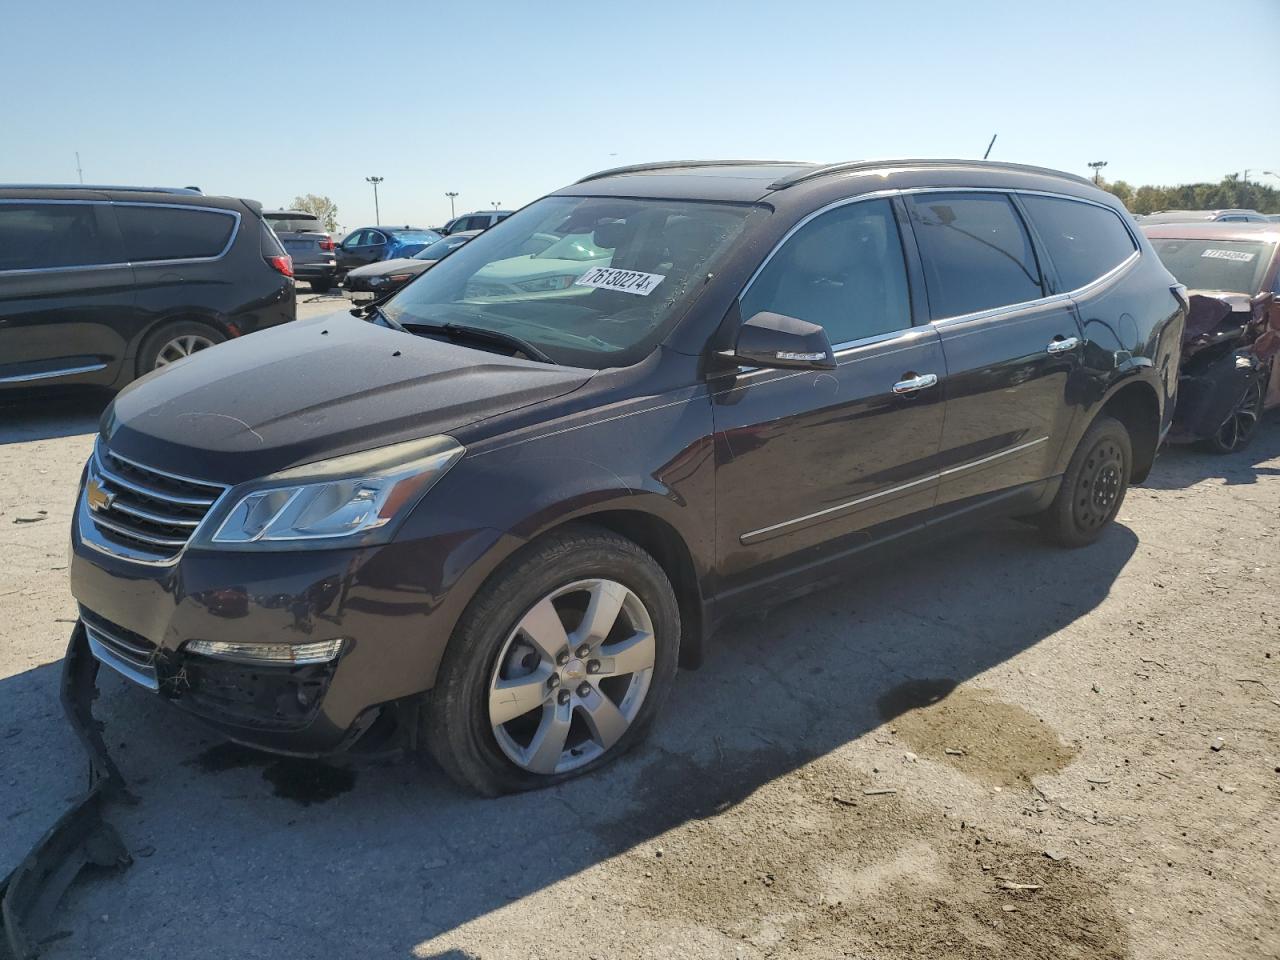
(563, 697)
(553, 681)
(584, 688)
(593, 666)
(562, 657)
(583, 650)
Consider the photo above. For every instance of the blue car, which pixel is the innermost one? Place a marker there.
(371, 244)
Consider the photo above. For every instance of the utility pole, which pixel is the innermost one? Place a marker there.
(451, 194)
(79, 172)
(1097, 166)
(377, 214)
(990, 145)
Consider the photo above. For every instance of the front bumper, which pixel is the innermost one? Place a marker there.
(394, 605)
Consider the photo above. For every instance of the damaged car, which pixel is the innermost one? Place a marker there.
(1229, 375)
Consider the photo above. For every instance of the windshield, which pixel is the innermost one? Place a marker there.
(435, 251)
(294, 224)
(603, 294)
(1235, 266)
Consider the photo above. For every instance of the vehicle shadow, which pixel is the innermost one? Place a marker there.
(234, 859)
(44, 417)
(1182, 466)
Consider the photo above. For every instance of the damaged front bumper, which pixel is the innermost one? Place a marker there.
(29, 896)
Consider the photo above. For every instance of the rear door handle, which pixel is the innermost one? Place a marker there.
(918, 382)
(1063, 344)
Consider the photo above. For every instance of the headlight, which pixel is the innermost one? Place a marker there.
(357, 496)
(562, 282)
(399, 277)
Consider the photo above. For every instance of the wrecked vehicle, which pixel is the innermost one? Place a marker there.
(1228, 375)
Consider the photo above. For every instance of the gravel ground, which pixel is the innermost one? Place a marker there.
(993, 749)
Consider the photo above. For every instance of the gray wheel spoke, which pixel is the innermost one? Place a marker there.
(514, 698)
(606, 602)
(547, 745)
(629, 656)
(543, 628)
(604, 719)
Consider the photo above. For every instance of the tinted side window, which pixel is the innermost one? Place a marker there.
(475, 223)
(171, 233)
(843, 270)
(976, 252)
(36, 236)
(373, 238)
(1082, 240)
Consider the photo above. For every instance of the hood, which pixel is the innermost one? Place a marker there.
(310, 390)
(384, 267)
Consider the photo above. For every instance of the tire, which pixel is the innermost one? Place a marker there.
(1093, 486)
(1237, 431)
(491, 651)
(173, 341)
(323, 284)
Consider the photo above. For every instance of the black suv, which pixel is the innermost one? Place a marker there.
(501, 511)
(99, 285)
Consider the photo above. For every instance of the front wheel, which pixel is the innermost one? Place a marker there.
(558, 666)
(1242, 423)
(176, 341)
(1093, 486)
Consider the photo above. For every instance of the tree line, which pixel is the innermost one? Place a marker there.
(1232, 191)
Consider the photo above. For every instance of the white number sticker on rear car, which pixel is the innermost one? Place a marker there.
(623, 281)
(1229, 255)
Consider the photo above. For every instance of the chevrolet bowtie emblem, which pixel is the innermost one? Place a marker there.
(98, 496)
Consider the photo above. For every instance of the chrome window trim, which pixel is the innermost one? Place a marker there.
(231, 239)
(48, 374)
(762, 533)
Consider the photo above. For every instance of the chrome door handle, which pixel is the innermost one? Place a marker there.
(1063, 345)
(913, 384)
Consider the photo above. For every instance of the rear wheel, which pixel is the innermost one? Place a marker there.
(558, 666)
(1093, 486)
(176, 341)
(1238, 429)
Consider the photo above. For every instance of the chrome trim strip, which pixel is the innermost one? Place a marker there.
(144, 677)
(128, 534)
(48, 374)
(762, 533)
(92, 538)
(212, 485)
(113, 639)
(150, 492)
(153, 517)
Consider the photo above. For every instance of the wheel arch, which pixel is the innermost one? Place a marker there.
(1137, 406)
(193, 314)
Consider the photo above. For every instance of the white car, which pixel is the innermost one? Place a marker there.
(551, 271)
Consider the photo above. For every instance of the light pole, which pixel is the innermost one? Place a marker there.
(496, 203)
(377, 214)
(1268, 173)
(451, 194)
(1097, 166)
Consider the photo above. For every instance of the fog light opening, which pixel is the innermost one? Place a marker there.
(320, 651)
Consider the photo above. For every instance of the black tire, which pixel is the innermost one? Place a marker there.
(1093, 486)
(323, 284)
(157, 341)
(1238, 430)
(455, 721)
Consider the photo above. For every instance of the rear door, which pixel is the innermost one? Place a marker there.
(816, 463)
(1010, 346)
(66, 293)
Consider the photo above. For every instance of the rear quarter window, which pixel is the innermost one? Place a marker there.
(44, 236)
(172, 233)
(1083, 241)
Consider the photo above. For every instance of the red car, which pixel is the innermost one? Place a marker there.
(1229, 375)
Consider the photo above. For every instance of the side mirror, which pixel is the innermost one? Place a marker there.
(775, 340)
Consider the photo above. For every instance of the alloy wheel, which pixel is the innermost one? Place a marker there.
(572, 676)
(180, 347)
(1238, 428)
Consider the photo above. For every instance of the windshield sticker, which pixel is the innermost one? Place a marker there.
(1239, 255)
(624, 281)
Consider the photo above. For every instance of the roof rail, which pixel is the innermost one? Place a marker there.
(672, 164)
(189, 191)
(856, 165)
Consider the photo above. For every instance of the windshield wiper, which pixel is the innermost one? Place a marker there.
(459, 331)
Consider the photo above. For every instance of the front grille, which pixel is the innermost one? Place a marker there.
(127, 652)
(145, 509)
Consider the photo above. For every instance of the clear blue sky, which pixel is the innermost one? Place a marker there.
(505, 100)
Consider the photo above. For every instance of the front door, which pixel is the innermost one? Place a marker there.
(815, 463)
(1009, 348)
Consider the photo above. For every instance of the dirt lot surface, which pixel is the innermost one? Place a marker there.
(994, 749)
